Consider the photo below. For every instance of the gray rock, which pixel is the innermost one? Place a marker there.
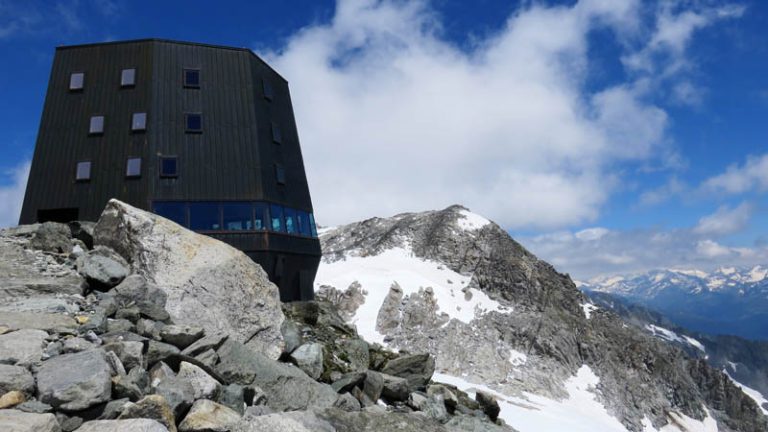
(178, 393)
(132, 425)
(114, 408)
(474, 424)
(208, 358)
(159, 372)
(286, 386)
(16, 378)
(34, 406)
(52, 350)
(417, 369)
(76, 381)
(347, 402)
(149, 328)
(152, 407)
(157, 351)
(417, 401)
(204, 386)
(357, 352)
(348, 381)
(373, 386)
(488, 404)
(129, 353)
(75, 344)
(254, 395)
(68, 423)
(115, 365)
(258, 410)
(208, 416)
(449, 397)
(22, 346)
(395, 388)
(124, 387)
(19, 421)
(208, 282)
(102, 268)
(119, 325)
(48, 237)
(131, 313)
(377, 419)
(309, 358)
(299, 421)
(435, 408)
(291, 336)
(50, 322)
(181, 335)
(233, 396)
(208, 342)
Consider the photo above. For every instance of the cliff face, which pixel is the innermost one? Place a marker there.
(459, 287)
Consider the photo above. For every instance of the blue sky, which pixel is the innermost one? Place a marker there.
(608, 136)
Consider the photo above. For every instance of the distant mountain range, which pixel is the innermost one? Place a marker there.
(728, 301)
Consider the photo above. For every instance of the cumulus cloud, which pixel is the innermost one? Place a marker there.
(725, 220)
(738, 179)
(395, 118)
(12, 194)
(635, 251)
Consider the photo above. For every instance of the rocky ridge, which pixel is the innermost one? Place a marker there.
(135, 324)
(535, 333)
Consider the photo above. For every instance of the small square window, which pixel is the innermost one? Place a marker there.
(76, 81)
(169, 166)
(97, 125)
(269, 92)
(139, 122)
(128, 78)
(192, 78)
(280, 174)
(83, 171)
(133, 167)
(194, 122)
(277, 135)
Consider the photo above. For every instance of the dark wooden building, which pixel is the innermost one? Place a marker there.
(203, 135)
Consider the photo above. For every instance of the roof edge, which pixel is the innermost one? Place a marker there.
(129, 41)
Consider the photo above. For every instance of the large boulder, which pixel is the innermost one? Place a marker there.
(16, 378)
(209, 283)
(208, 416)
(18, 421)
(417, 369)
(22, 346)
(309, 358)
(73, 382)
(102, 267)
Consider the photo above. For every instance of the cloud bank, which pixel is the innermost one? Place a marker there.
(12, 194)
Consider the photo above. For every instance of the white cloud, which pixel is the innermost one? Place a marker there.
(725, 220)
(738, 179)
(712, 249)
(12, 195)
(672, 188)
(395, 118)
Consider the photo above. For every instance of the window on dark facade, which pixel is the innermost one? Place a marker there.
(312, 225)
(128, 78)
(269, 92)
(204, 216)
(237, 216)
(194, 122)
(279, 174)
(83, 171)
(276, 214)
(290, 221)
(133, 167)
(139, 122)
(169, 166)
(277, 135)
(192, 78)
(175, 211)
(261, 218)
(302, 218)
(96, 126)
(77, 81)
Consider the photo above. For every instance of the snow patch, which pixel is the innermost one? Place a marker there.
(755, 395)
(470, 221)
(376, 274)
(695, 343)
(683, 423)
(663, 333)
(588, 309)
(517, 358)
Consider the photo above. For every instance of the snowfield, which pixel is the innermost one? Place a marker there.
(376, 274)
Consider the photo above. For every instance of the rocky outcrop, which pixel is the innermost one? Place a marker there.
(209, 283)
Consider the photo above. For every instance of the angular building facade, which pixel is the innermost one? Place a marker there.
(203, 135)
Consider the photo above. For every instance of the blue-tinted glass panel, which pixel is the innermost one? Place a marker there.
(276, 213)
(191, 78)
(312, 225)
(194, 122)
(168, 166)
(261, 218)
(175, 211)
(237, 216)
(204, 216)
(291, 225)
(303, 219)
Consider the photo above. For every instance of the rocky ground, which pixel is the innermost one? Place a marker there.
(135, 324)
